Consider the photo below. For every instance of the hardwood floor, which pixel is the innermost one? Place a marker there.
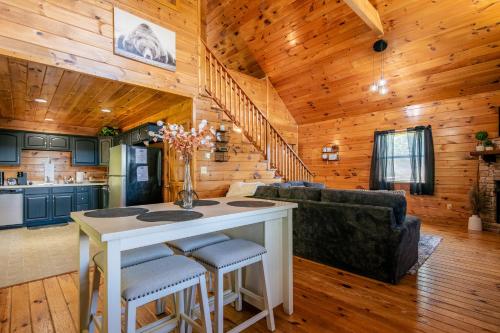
(457, 290)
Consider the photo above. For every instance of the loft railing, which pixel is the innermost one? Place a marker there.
(217, 82)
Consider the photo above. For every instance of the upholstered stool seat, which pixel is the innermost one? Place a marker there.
(188, 245)
(232, 256)
(137, 256)
(155, 275)
(155, 279)
(228, 253)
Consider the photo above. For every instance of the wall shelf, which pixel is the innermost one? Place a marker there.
(487, 155)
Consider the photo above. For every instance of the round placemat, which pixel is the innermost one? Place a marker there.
(169, 216)
(251, 203)
(116, 212)
(199, 203)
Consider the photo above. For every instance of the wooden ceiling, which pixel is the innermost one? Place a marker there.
(74, 100)
(318, 54)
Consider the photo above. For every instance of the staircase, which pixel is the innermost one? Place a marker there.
(217, 83)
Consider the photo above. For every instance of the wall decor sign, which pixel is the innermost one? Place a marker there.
(141, 40)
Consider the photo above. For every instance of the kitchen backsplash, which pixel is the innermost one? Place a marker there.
(33, 161)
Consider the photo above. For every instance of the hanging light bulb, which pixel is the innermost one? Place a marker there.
(379, 85)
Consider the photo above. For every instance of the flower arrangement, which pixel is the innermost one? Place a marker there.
(185, 142)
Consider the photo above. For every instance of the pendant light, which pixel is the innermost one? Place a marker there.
(379, 85)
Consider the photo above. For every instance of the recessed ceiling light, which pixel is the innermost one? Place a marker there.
(49, 119)
(40, 100)
(106, 110)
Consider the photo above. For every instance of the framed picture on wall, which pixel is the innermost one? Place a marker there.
(144, 41)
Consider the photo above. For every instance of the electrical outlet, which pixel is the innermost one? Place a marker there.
(449, 206)
(204, 170)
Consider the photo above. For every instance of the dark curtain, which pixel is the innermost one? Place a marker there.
(382, 168)
(421, 159)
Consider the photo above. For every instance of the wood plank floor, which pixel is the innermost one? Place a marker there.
(457, 290)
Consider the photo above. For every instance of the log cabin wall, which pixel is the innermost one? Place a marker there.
(454, 123)
(32, 162)
(78, 35)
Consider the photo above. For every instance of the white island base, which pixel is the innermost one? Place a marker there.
(268, 226)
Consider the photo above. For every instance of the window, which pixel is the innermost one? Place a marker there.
(403, 157)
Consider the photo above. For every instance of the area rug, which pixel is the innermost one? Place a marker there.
(426, 246)
(27, 255)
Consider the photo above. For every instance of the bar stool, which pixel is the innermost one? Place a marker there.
(186, 246)
(155, 279)
(128, 258)
(230, 256)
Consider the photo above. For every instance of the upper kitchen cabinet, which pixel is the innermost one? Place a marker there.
(10, 148)
(40, 141)
(105, 143)
(58, 142)
(35, 141)
(85, 151)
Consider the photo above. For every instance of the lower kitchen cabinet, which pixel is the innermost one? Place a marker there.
(52, 205)
(37, 206)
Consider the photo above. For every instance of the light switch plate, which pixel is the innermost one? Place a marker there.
(204, 170)
(207, 155)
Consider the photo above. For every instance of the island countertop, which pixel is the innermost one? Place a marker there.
(110, 228)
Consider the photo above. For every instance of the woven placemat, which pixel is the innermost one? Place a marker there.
(116, 212)
(170, 216)
(251, 203)
(199, 203)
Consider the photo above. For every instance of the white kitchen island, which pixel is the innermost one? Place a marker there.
(268, 226)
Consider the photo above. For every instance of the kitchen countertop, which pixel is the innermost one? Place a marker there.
(7, 187)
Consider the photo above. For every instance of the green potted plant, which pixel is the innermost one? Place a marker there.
(488, 144)
(478, 199)
(481, 136)
(109, 131)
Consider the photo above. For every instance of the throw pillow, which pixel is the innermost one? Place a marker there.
(242, 189)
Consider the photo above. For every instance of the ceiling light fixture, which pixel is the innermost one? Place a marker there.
(106, 110)
(40, 100)
(49, 119)
(379, 85)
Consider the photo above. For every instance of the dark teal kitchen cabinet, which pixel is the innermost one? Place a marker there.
(95, 197)
(105, 144)
(62, 203)
(84, 151)
(58, 142)
(10, 148)
(37, 206)
(35, 141)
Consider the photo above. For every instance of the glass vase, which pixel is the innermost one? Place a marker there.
(187, 188)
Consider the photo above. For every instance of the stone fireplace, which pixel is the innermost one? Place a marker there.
(489, 180)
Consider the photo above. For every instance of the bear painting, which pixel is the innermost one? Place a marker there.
(143, 41)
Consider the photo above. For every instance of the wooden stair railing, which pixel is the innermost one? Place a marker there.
(217, 82)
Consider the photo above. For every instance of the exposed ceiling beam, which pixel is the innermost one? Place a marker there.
(368, 14)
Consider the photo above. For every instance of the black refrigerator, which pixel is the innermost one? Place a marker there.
(135, 176)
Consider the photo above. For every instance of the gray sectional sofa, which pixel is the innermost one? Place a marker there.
(368, 233)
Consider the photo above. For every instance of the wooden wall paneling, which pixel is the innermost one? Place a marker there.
(454, 123)
(78, 36)
(32, 162)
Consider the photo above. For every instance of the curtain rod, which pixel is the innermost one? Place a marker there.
(404, 130)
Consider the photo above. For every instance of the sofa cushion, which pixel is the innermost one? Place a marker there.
(315, 185)
(266, 192)
(304, 193)
(296, 183)
(382, 199)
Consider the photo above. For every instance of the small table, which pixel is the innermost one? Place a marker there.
(268, 226)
